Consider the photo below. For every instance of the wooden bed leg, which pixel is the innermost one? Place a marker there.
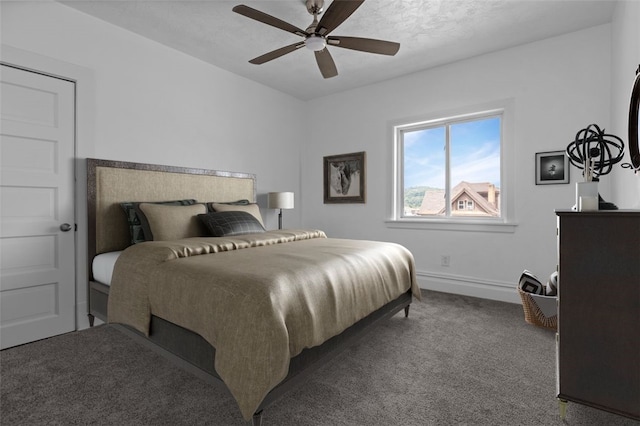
(91, 319)
(406, 311)
(257, 418)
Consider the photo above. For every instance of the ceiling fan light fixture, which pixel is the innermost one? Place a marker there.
(316, 36)
(315, 43)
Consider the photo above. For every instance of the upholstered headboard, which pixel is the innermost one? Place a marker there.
(110, 183)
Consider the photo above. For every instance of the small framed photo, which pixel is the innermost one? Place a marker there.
(552, 168)
(344, 178)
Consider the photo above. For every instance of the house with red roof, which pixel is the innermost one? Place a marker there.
(468, 199)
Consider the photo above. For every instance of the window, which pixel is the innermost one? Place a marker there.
(450, 170)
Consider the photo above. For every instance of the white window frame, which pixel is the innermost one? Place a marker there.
(505, 223)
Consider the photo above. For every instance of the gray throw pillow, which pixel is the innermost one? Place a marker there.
(230, 223)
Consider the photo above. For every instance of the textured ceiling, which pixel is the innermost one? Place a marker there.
(431, 33)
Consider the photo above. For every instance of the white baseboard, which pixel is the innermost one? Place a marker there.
(469, 286)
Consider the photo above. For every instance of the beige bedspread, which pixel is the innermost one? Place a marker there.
(259, 299)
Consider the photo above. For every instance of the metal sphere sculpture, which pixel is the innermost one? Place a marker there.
(595, 152)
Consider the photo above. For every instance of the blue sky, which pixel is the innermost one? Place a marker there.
(475, 154)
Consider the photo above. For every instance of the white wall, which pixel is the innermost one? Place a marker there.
(557, 88)
(153, 104)
(625, 60)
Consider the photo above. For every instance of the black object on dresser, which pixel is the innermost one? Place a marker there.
(598, 340)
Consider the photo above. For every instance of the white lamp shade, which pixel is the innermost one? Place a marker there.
(280, 200)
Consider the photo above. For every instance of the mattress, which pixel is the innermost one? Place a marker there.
(102, 266)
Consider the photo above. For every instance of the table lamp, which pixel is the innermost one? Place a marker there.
(280, 200)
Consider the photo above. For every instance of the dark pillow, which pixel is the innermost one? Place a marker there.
(136, 220)
(251, 208)
(227, 224)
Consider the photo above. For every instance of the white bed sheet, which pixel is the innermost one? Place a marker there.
(102, 266)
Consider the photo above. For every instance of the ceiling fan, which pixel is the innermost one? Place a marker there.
(316, 36)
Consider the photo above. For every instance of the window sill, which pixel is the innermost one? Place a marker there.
(453, 225)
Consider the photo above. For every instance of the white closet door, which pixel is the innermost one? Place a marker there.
(37, 235)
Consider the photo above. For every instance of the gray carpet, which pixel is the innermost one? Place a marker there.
(456, 360)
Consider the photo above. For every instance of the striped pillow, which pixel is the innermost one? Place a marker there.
(227, 224)
(251, 208)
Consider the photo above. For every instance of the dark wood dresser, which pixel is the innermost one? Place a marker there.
(598, 340)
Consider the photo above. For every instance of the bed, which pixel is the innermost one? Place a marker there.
(257, 310)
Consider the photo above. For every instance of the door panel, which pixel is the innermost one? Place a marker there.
(25, 154)
(37, 259)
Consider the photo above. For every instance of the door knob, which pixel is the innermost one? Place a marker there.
(65, 227)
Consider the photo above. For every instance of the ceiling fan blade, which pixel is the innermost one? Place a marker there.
(268, 19)
(370, 45)
(326, 64)
(276, 53)
(337, 12)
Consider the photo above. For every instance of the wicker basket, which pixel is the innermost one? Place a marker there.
(533, 314)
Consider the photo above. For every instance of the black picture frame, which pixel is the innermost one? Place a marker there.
(552, 168)
(344, 178)
(634, 124)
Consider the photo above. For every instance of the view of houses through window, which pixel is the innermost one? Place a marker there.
(451, 168)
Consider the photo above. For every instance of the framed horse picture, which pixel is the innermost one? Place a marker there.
(344, 178)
